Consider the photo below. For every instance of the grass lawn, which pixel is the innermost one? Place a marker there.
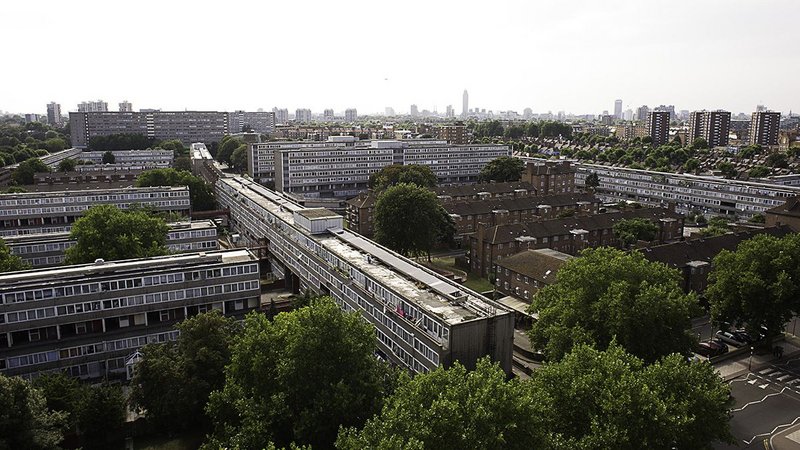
(473, 282)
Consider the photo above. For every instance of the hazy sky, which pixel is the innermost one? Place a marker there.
(576, 56)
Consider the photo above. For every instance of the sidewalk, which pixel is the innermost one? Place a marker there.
(732, 368)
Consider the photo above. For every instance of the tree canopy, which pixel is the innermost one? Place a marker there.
(24, 172)
(608, 293)
(25, 421)
(409, 219)
(758, 284)
(394, 174)
(629, 231)
(10, 262)
(453, 408)
(227, 146)
(67, 165)
(173, 380)
(110, 233)
(200, 192)
(502, 169)
(121, 141)
(297, 378)
(595, 399)
(592, 180)
(239, 158)
(109, 158)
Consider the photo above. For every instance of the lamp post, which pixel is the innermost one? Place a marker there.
(750, 361)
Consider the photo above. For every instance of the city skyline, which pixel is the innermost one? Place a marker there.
(586, 56)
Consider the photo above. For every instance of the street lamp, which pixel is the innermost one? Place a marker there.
(750, 361)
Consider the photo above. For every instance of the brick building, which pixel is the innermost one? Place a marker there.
(785, 214)
(550, 177)
(523, 274)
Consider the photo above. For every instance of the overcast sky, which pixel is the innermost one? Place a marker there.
(575, 56)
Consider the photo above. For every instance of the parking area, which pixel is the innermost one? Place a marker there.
(767, 409)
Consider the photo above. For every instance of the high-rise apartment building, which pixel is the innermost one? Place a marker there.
(350, 115)
(125, 106)
(641, 113)
(658, 127)
(257, 122)
(327, 115)
(764, 127)
(302, 115)
(713, 126)
(92, 106)
(449, 111)
(54, 114)
(465, 104)
(281, 116)
(668, 108)
(618, 109)
(414, 111)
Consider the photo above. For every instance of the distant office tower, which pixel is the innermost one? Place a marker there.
(449, 111)
(764, 126)
(465, 104)
(125, 106)
(414, 111)
(31, 118)
(350, 115)
(327, 115)
(642, 112)
(713, 126)
(389, 111)
(658, 127)
(302, 115)
(54, 114)
(90, 106)
(760, 108)
(527, 114)
(281, 116)
(618, 109)
(683, 114)
(628, 114)
(257, 122)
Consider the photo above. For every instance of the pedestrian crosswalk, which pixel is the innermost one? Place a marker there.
(778, 375)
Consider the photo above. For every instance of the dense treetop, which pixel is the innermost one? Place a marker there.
(200, 192)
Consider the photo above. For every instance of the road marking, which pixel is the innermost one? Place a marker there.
(759, 401)
(764, 386)
(767, 371)
(785, 377)
(773, 430)
(753, 381)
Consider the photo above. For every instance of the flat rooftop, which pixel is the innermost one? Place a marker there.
(317, 213)
(43, 275)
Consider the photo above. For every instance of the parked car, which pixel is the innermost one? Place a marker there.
(729, 338)
(723, 347)
(747, 337)
(710, 349)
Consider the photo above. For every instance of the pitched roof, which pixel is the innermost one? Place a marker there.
(790, 208)
(557, 227)
(470, 190)
(541, 265)
(474, 207)
(679, 254)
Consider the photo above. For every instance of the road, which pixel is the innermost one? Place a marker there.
(767, 407)
(701, 326)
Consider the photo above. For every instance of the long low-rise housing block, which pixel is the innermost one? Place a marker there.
(422, 319)
(90, 319)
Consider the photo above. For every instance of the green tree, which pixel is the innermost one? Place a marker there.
(67, 165)
(407, 219)
(502, 169)
(592, 181)
(607, 294)
(777, 160)
(609, 399)
(26, 169)
(200, 192)
(417, 174)
(10, 262)
(63, 393)
(226, 148)
(122, 141)
(110, 233)
(629, 231)
(699, 143)
(532, 129)
(727, 169)
(109, 158)
(758, 284)
(182, 163)
(298, 378)
(55, 145)
(759, 172)
(101, 417)
(25, 421)
(239, 158)
(454, 408)
(173, 381)
(514, 132)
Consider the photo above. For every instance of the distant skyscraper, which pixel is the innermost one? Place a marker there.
(527, 113)
(658, 127)
(90, 106)
(618, 109)
(465, 104)
(328, 115)
(642, 112)
(350, 115)
(449, 112)
(414, 111)
(764, 127)
(125, 106)
(54, 114)
(389, 111)
(302, 115)
(281, 115)
(760, 108)
(628, 114)
(713, 126)
(668, 108)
